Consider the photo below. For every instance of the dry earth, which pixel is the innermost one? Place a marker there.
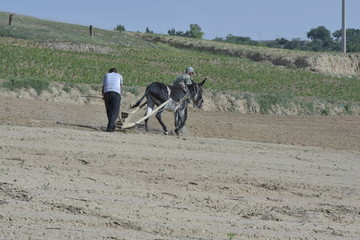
(229, 176)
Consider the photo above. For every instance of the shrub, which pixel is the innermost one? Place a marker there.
(133, 90)
(37, 84)
(120, 28)
(266, 101)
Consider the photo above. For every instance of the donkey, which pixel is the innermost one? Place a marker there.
(157, 93)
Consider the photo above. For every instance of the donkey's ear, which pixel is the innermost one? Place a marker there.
(202, 83)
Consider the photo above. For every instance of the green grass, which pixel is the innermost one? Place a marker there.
(37, 84)
(140, 64)
(24, 27)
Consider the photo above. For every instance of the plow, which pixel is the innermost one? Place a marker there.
(132, 118)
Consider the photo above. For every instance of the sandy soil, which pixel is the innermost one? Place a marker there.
(229, 174)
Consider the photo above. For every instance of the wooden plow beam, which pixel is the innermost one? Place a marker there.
(128, 122)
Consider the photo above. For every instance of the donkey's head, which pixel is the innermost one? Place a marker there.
(195, 91)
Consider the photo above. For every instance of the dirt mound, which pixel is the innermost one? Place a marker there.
(244, 102)
(334, 64)
(223, 101)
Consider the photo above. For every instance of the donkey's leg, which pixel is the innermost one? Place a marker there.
(148, 111)
(185, 116)
(180, 119)
(176, 122)
(158, 117)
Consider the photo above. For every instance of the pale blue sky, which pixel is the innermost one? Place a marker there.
(257, 19)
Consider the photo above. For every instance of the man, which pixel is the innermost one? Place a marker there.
(111, 91)
(185, 79)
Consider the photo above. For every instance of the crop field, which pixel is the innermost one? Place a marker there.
(141, 64)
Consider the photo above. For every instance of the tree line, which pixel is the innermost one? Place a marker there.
(319, 39)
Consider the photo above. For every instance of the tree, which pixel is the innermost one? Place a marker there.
(295, 43)
(119, 28)
(218, 39)
(352, 39)
(173, 32)
(240, 40)
(148, 30)
(281, 41)
(321, 38)
(237, 39)
(195, 31)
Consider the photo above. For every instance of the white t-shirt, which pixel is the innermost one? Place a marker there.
(112, 82)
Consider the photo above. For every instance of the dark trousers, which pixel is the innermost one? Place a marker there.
(112, 104)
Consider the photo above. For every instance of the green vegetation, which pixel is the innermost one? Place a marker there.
(141, 63)
(194, 32)
(320, 40)
(231, 235)
(37, 84)
(120, 28)
(284, 101)
(140, 66)
(24, 27)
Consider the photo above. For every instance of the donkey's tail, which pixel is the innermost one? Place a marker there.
(140, 100)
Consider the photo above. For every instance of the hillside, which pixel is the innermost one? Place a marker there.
(274, 76)
(326, 63)
(44, 31)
